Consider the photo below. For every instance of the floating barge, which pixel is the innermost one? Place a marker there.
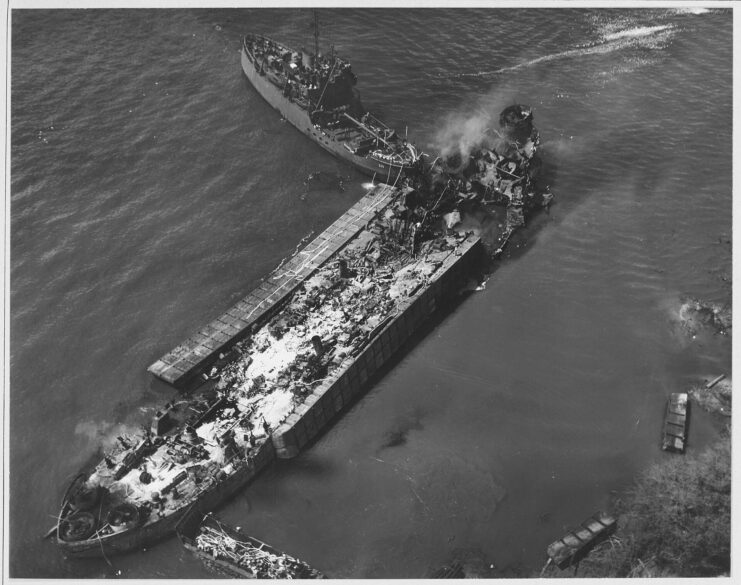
(675, 423)
(229, 552)
(575, 545)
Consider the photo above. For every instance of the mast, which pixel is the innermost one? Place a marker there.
(316, 33)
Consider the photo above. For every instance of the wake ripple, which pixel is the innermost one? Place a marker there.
(641, 31)
(645, 36)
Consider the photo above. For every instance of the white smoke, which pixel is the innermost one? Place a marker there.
(470, 128)
(104, 433)
(461, 134)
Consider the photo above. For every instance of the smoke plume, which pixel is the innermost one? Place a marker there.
(471, 128)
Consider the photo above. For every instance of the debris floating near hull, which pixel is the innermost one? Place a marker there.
(229, 552)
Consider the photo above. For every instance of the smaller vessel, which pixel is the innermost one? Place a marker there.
(575, 545)
(316, 93)
(675, 423)
(226, 550)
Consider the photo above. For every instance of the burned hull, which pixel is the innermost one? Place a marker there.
(152, 528)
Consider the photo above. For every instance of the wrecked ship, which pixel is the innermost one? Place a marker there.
(272, 372)
(209, 443)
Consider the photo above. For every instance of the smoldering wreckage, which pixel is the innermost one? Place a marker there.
(209, 442)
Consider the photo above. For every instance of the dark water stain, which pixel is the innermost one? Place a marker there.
(398, 435)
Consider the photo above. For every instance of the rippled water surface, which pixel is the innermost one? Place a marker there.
(151, 187)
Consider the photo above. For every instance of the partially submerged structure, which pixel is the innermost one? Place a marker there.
(227, 551)
(576, 544)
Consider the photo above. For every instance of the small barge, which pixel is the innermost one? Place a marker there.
(675, 423)
(229, 552)
(574, 546)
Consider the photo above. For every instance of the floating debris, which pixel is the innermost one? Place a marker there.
(714, 396)
(226, 550)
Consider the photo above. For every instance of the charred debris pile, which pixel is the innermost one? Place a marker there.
(501, 173)
(335, 312)
(237, 555)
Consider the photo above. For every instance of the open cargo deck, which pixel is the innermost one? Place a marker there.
(403, 294)
(184, 364)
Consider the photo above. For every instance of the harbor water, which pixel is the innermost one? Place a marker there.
(151, 188)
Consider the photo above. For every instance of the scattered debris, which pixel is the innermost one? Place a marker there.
(226, 550)
(714, 396)
(697, 316)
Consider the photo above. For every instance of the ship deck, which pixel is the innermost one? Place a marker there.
(183, 364)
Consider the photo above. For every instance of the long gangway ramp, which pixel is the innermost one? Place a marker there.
(181, 366)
